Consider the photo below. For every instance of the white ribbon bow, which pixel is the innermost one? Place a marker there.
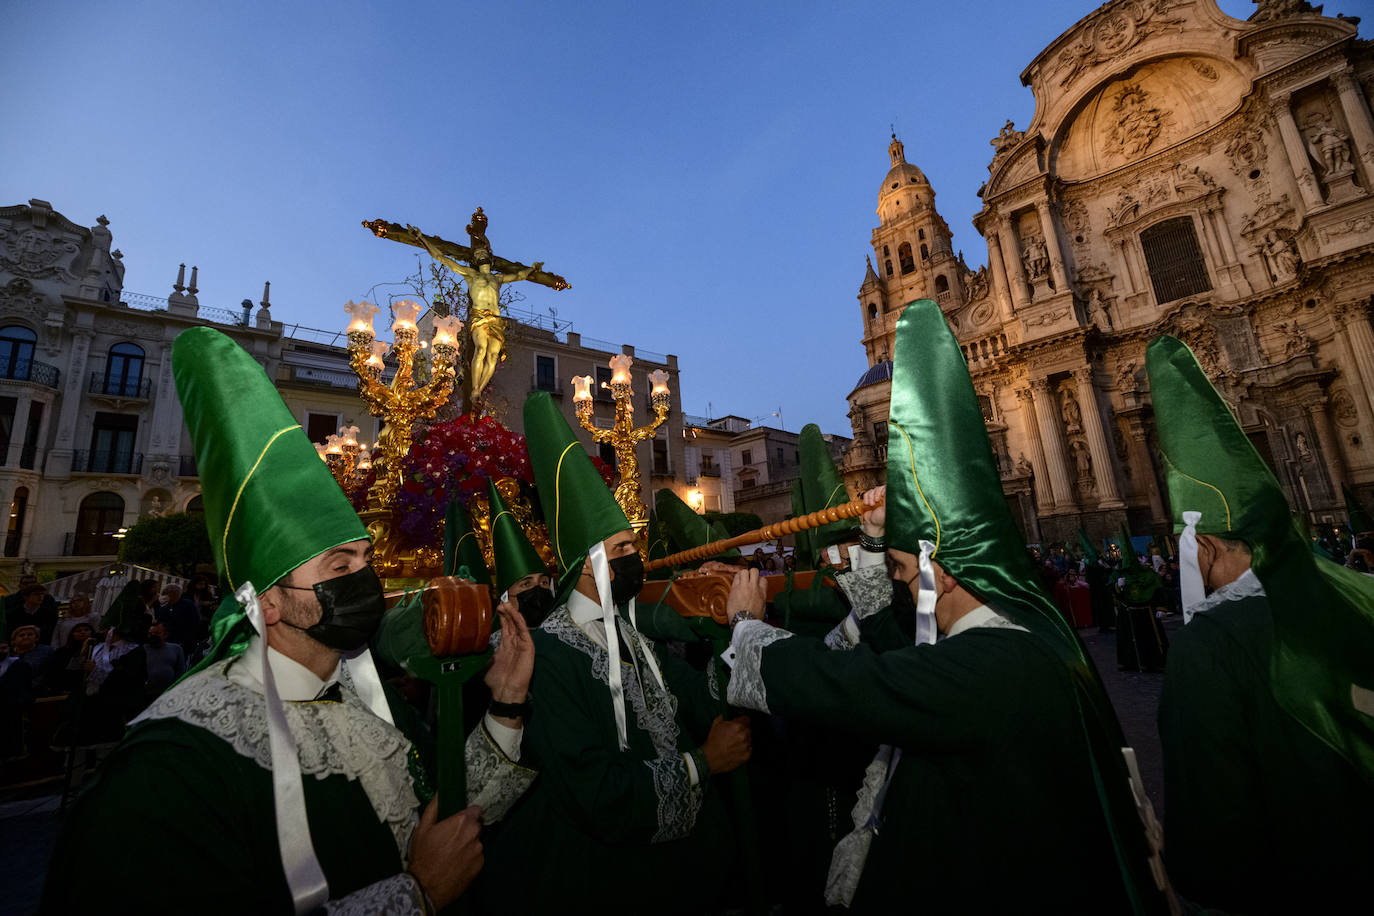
(304, 877)
(925, 597)
(1189, 573)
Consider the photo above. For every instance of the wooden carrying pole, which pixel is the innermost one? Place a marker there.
(851, 509)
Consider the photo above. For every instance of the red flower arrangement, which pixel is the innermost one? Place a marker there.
(454, 460)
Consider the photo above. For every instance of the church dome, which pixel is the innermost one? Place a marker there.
(902, 174)
(882, 372)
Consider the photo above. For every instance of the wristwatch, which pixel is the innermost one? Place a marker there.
(742, 615)
(520, 710)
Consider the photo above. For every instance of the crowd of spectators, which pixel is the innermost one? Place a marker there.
(105, 668)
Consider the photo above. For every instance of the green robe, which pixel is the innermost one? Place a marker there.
(1260, 815)
(183, 810)
(601, 827)
(992, 807)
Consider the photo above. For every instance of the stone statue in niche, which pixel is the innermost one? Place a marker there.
(1330, 146)
(1295, 340)
(1035, 255)
(1098, 311)
(1073, 418)
(1023, 467)
(1083, 465)
(1303, 449)
(155, 507)
(1283, 260)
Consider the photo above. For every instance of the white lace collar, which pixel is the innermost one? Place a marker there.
(981, 616)
(295, 682)
(1246, 585)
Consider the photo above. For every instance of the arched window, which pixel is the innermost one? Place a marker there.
(904, 256)
(124, 370)
(18, 509)
(888, 265)
(196, 506)
(921, 234)
(941, 284)
(16, 351)
(872, 310)
(1174, 260)
(925, 252)
(97, 522)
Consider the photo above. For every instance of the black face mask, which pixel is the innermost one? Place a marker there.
(903, 601)
(535, 604)
(629, 578)
(353, 607)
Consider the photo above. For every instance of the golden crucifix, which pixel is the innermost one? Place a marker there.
(484, 273)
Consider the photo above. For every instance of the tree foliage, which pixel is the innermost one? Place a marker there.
(176, 543)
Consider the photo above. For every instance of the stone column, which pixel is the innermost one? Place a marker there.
(1127, 271)
(1223, 234)
(1330, 444)
(1104, 471)
(1020, 295)
(1140, 460)
(1053, 438)
(1043, 494)
(1361, 337)
(1358, 117)
(1297, 152)
(19, 431)
(1061, 280)
(1350, 370)
(999, 276)
(73, 398)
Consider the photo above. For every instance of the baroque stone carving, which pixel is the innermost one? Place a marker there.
(1359, 224)
(1111, 32)
(1098, 312)
(1303, 449)
(1280, 256)
(31, 252)
(1270, 10)
(1204, 69)
(1295, 339)
(1035, 256)
(1008, 138)
(1329, 145)
(1246, 151)
(1136, 123)
(1343, 408)
(1268, 213)
(977, 285)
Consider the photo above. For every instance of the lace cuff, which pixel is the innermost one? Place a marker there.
(495, 782)
(845, 636)
(746, 680)
(398, 895)
(869, 590)
(678, 799)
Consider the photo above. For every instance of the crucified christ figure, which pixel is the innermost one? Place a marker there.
(484, 274)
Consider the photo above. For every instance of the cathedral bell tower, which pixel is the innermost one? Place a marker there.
(912, 257)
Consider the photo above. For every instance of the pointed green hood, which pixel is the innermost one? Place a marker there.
(461, 550)
(1089, 550)
(943, 487)
(578, 507)
(1323, 614)
(1141, 581)
(515, 557)
(683, 527)
(270, 502)
(822, 488)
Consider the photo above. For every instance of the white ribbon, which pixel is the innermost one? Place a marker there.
(644, 649)
(925, 597)
(601, 573)
(1189, 573)
(304, 877)
(367, 684)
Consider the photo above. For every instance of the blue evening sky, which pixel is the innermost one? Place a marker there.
(705, 174)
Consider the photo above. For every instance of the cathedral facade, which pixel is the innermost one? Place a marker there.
(1184, 173)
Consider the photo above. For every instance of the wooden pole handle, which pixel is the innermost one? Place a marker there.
(852, 509)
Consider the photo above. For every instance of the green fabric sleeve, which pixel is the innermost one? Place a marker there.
(918, 697)
(613, 796)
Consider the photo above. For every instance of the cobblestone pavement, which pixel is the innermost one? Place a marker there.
(1136, 698)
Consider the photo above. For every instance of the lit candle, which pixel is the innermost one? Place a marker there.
(348, 435)
(659, 379)
(404, 314)
(360, 316)
(446, 331)
(365, 462)
(379, 351)
(333, 445)
(582, 387)
(620, 369)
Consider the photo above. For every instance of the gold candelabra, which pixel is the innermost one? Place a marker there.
(347, 459)
(624, 436)
(400, 405)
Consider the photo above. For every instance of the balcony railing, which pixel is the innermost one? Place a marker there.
(28, 370)
(89, 544)
(552, 386)
(120, 388)
(107, 462)
(711, 471)
(186, 467)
